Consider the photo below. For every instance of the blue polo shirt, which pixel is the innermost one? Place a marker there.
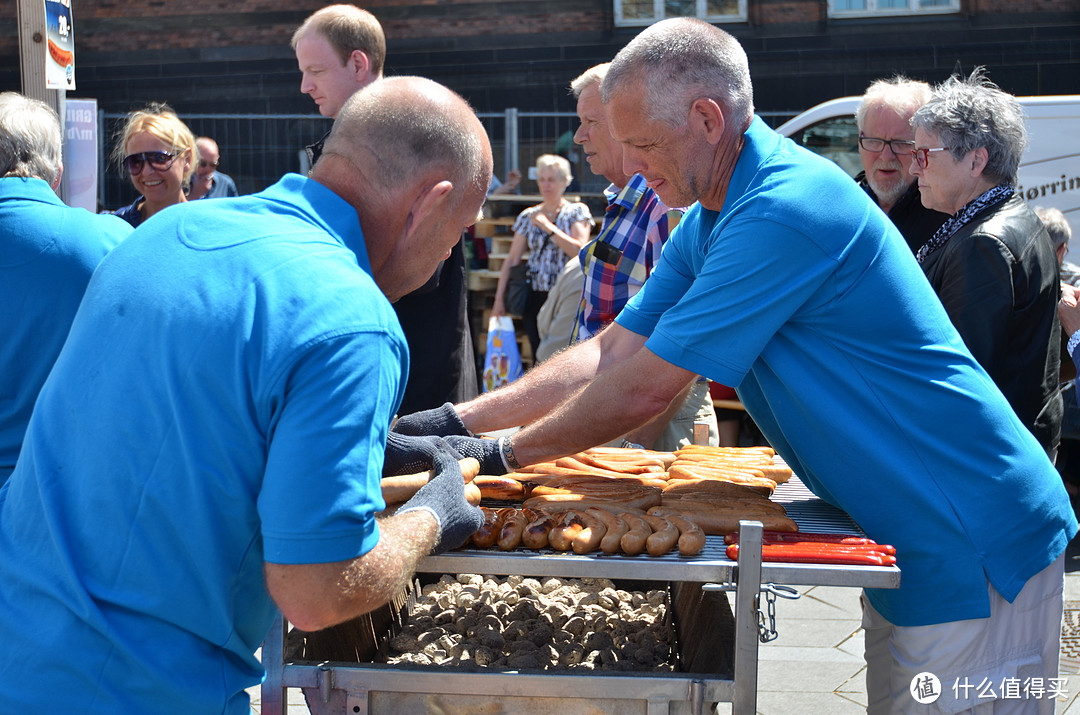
(223, 400)
(803, 295)
(47, 254)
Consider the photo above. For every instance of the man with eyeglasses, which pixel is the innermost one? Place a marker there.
(885, 142)
(208, 182)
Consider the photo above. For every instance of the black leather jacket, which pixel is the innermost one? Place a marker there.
(998, 280)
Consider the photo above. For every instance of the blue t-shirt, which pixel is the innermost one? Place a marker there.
(223, 400)
(803, 295)
(48, 252)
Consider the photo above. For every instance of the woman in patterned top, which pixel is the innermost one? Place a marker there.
(553, 231)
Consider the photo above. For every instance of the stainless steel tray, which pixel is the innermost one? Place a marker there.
(712, 565)
(352, 687)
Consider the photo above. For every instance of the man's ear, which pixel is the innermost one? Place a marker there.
(429, 201)
(706, 115)
(359, 64)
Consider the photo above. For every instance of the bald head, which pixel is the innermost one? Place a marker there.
(409, 125)
(414, 161)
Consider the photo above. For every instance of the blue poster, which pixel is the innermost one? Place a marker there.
(60, 39)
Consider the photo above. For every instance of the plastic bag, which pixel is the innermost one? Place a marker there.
(502, 362)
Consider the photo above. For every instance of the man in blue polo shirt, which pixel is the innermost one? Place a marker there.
(211, 440)
(786, 282)
(47, 255)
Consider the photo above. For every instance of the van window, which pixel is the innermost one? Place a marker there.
(836, 138)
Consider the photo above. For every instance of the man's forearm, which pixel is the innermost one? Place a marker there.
(535, 394)
(317, 596)
(621, 399)
(648, 433)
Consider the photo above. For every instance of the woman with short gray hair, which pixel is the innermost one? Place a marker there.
(991, 263)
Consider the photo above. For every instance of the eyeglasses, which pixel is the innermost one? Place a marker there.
(898, 146)
(203, 163)
(160, 160)
(922, 156)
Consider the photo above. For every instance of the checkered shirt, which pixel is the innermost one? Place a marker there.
(636, 225)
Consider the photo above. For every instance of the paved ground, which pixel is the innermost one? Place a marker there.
(815, 666)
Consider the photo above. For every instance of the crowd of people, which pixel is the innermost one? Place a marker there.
(200, 397)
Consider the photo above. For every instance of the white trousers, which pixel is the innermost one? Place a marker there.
(1006, 664)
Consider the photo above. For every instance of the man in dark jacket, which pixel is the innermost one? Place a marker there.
(340, 49)
(885, 142)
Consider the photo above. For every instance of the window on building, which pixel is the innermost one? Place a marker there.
(646, 12)
(871, 8)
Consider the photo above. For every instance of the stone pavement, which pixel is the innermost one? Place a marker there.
(815, 666)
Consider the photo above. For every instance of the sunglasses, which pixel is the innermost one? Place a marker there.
(922, 156)
(160, 160)
(203, 163)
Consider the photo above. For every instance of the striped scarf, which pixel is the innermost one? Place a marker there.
(999, 193)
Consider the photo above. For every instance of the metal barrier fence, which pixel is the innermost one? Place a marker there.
(257, 149)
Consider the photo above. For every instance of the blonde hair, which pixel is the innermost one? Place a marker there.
(556, 163)
(160, 121)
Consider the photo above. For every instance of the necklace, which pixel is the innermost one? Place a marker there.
(552, 214)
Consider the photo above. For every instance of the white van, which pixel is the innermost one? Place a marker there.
(1049, 170)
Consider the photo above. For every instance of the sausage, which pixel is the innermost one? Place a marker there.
(614, 528)
(562, 535)
(500, 488)
(472, 494)
(588, 539)
(535, 534)
(640, 500)
(691, 537)
(819, 553)
(510, 534)
(712, 505)
(633, 541)
(584, 467)
(485, 536)
(721, 523)
(664, 537)
(786, 537)
(60, 55)
(402, 487)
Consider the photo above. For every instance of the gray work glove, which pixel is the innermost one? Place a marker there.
(485, 451)
(441, 422)
(444, 498)
(408, 455)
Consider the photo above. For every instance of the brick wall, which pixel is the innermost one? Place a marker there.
(205, 56)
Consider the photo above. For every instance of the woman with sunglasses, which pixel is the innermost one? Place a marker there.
(992, 262)
(158, 152)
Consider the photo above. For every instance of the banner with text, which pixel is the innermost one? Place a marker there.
(60, 39)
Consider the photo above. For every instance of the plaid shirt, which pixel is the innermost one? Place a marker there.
(617, 262)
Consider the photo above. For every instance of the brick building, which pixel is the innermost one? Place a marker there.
(204, 56)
